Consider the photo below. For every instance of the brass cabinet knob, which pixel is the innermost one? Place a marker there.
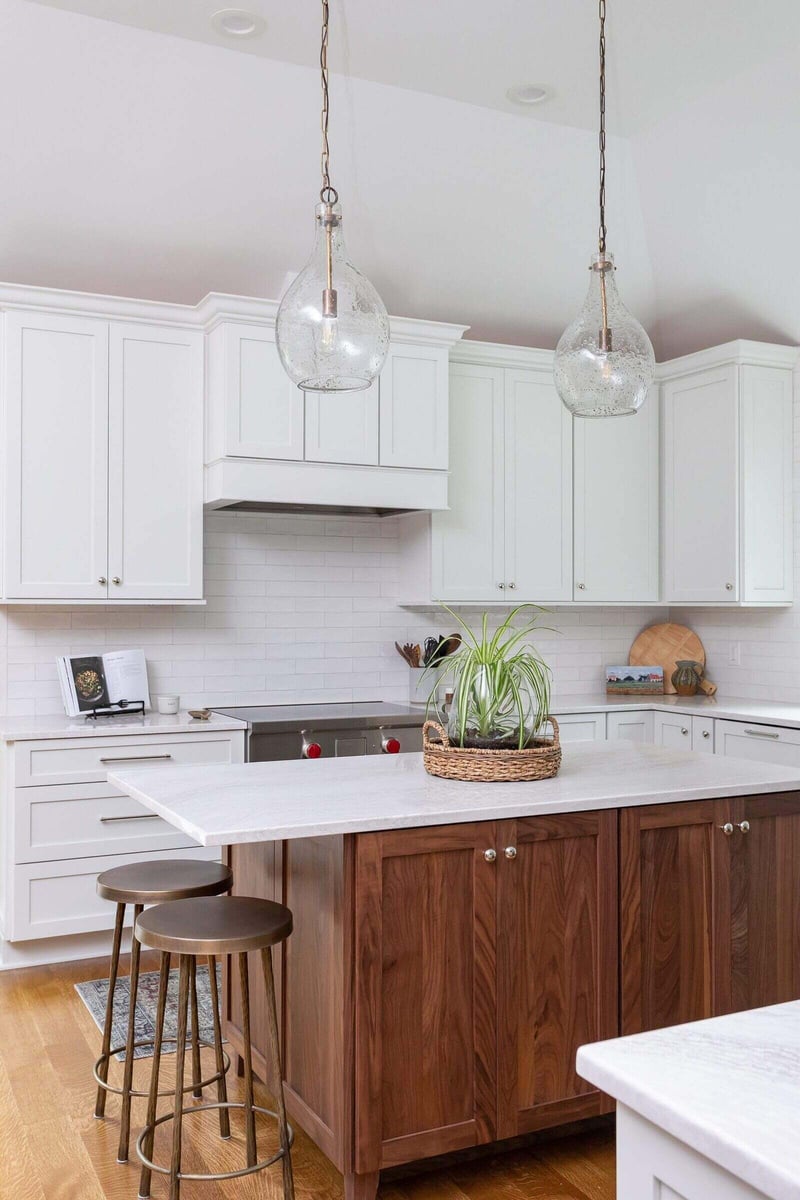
(510, 852)
(744, 827)
(490, 855)
(727, 828)
(116, 579)
(102, 581)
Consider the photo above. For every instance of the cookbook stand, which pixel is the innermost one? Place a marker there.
(122, 708)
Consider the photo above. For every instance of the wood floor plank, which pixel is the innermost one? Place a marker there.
(52, 1148)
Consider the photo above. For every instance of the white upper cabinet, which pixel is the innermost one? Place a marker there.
(343, 428)
(56, 456)
(414, 407)
(259, 409)
(727, 462)
(538, 489)
(616, 507)
(155, 439)
(468, 539)
(507, 534)
(104, 455)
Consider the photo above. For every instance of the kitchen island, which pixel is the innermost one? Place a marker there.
(708, 1109)
(455, 944)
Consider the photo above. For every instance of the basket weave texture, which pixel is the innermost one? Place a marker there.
(540, 761)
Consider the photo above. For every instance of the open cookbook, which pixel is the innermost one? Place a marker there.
(90, 681)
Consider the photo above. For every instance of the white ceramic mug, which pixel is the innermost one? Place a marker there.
(168, 704)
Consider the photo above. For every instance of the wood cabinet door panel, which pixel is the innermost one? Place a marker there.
(557, 964)
(674, 914)
(765, 892)
(425, 993)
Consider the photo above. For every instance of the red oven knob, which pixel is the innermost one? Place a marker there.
(312, 750)
(390, 745)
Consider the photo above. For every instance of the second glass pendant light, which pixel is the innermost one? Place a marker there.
(332, 328)
(604, 361)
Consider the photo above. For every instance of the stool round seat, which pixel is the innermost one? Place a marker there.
(159, 881)
(214, 925)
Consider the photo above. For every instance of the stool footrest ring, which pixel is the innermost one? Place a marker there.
(169, 1091)
(187, 1112)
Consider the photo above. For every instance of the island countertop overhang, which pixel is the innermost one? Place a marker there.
(273, 801)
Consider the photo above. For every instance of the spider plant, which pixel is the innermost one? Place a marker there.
(501, 684)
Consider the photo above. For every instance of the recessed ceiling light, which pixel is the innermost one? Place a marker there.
(238, 23)
(527, 94)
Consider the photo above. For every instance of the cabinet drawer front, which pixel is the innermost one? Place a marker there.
(84, 820)
(88, 760)
(53, 899)
(582, 727)
(760, 743)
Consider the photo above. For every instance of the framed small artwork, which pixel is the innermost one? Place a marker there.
(634, 681)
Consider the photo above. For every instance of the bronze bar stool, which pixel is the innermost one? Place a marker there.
(210, 926)
(139, 884)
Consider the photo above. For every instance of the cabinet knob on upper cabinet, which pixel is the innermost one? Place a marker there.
(728, 587)
(744, 827)
(116, 579)
(510, 852)
(490, 855)
(102, 581)
(727, 828)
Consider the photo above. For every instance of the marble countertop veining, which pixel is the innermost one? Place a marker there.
(27, 729)
(268, 801)
(728, 1087)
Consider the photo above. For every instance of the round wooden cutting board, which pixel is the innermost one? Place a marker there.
(662, 646)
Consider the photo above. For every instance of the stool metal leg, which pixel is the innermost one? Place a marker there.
(250, 1116)
(197, 1091)
(277, 1068)
(100, 1102)
(152, 1101)
(180, 1059)
(127, 1081)
(222, 1087)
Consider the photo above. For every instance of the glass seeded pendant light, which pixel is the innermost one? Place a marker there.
(604, 362)
(332, 328)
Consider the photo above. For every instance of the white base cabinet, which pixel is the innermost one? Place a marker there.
(636, 726)
(681, 732)
(582, 727)
(62, 824)
(760, 743)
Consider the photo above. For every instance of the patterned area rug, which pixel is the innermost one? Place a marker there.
(94, 994)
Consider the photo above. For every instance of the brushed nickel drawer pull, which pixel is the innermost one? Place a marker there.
(132, 817)
(761, 733)
(136, 758)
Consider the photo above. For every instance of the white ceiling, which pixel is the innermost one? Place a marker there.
(661, 54)
(141, 163)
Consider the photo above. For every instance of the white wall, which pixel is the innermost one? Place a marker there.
(299, 608)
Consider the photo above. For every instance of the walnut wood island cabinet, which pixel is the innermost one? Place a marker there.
(440, 980)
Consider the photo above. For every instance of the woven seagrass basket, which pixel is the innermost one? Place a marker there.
(540, 761)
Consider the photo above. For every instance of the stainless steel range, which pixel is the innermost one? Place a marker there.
(285, 731)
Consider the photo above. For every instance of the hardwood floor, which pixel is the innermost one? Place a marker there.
(52, 1148)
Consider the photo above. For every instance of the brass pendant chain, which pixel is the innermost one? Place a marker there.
(328, 194)
(602, 238)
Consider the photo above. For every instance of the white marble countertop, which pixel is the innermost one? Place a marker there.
(27, 729)
(267, 801)
(763, 712)
(728, 1087)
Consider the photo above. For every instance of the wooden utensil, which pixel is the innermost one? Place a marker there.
(662, 645)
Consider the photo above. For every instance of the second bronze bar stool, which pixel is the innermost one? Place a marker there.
(230, 925)
(150, 882)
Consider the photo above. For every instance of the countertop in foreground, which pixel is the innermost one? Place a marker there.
(269, 801)
(728, 1087)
